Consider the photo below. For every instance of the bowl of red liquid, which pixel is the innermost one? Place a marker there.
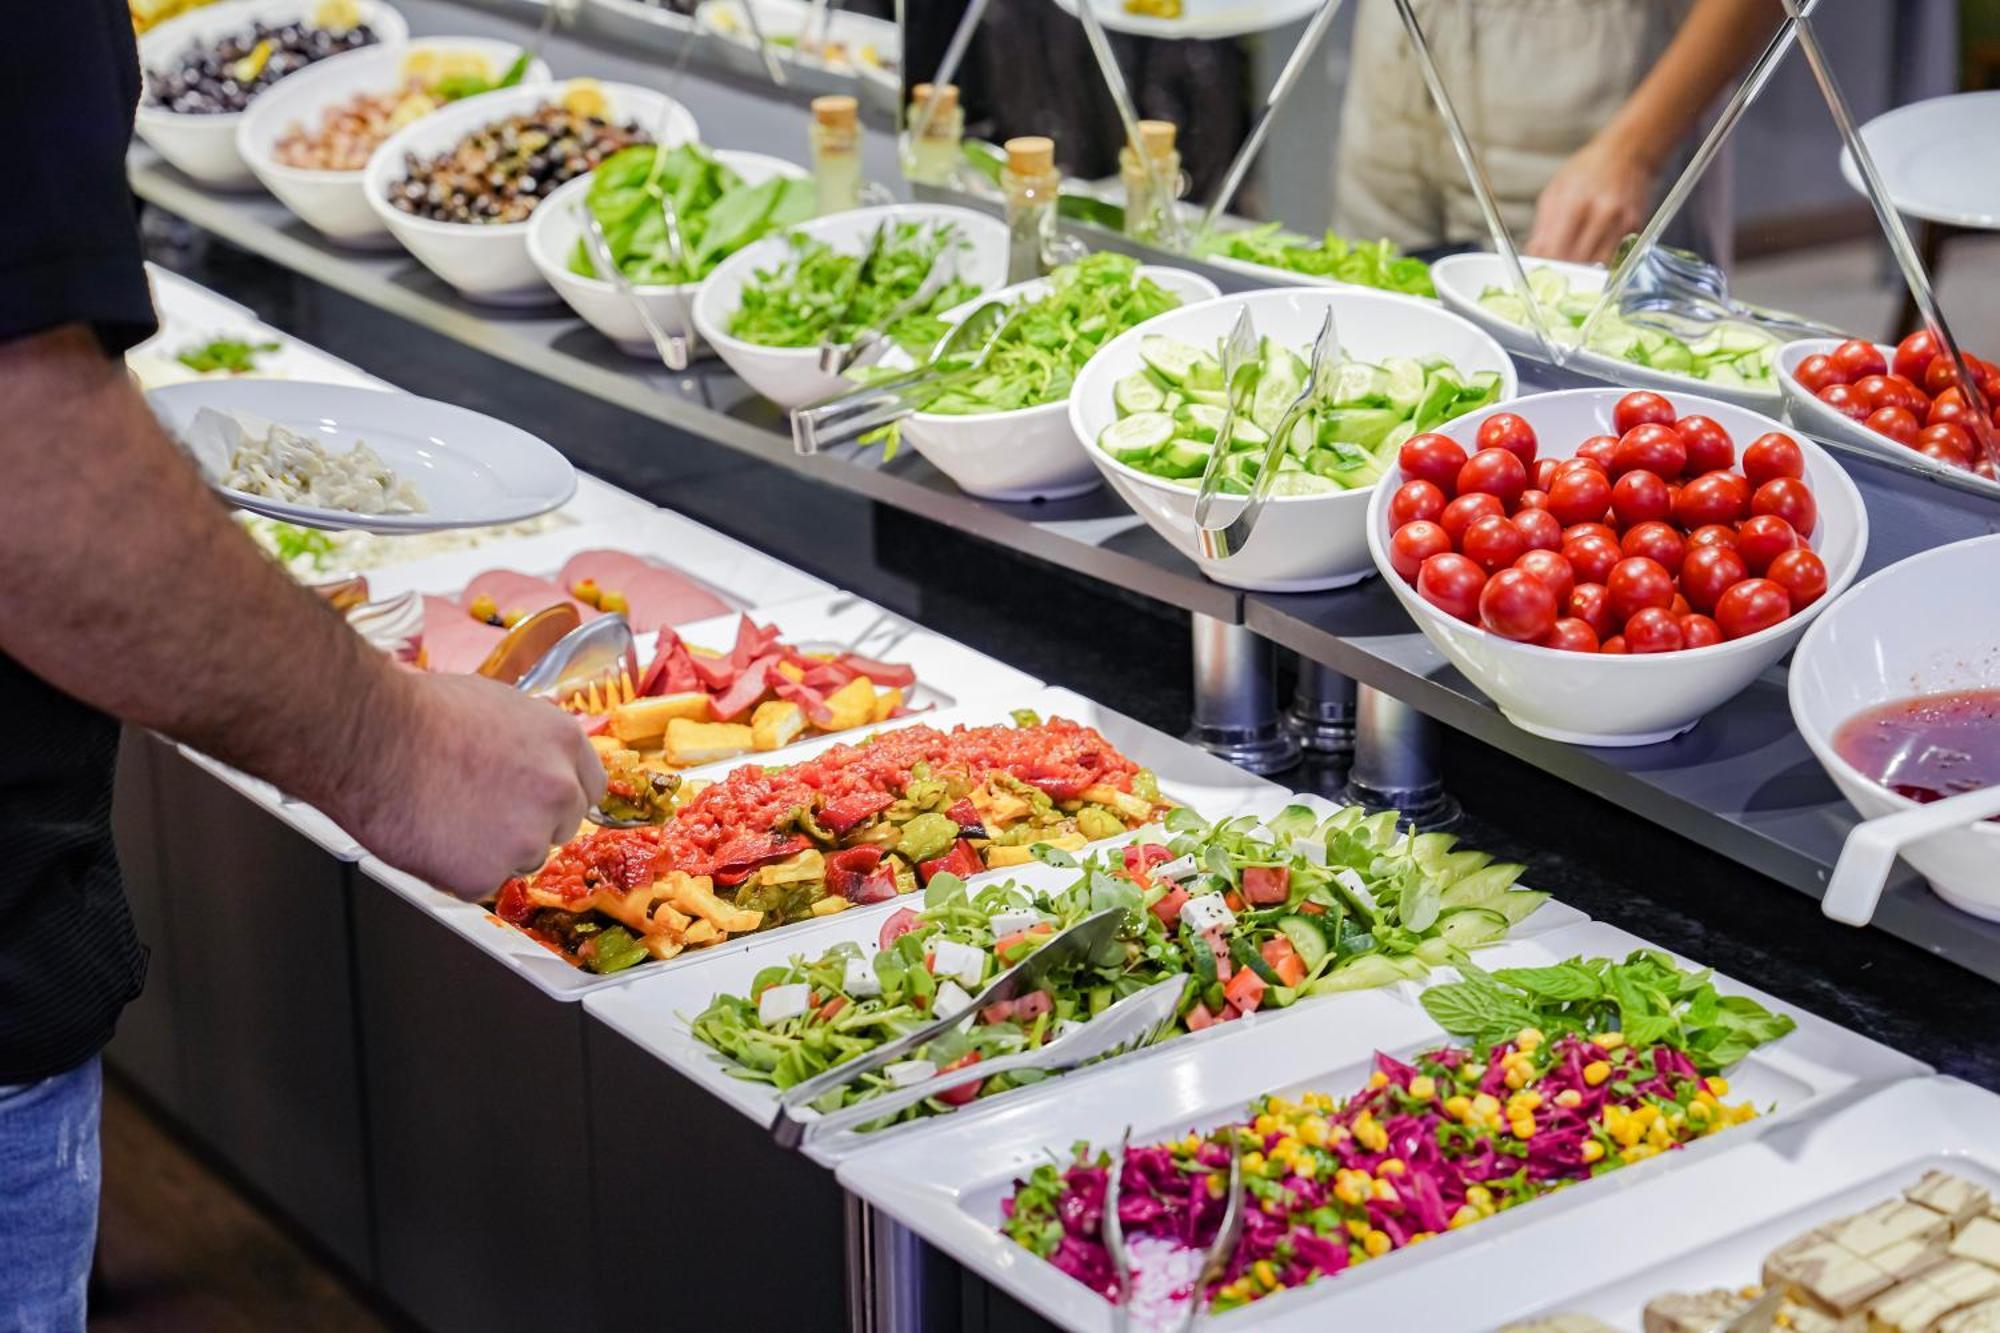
(1896, 687)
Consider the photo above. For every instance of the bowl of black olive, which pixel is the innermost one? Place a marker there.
(203, 68)
(457, 187)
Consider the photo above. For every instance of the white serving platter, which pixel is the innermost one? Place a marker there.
(1207, 19)
(190, 315)
(1938, 158)
(654, 1014)
(945, 1180)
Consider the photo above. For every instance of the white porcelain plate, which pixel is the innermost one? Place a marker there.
(1939, 159)
(1208, 19)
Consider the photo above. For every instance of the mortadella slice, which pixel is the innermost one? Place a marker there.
(512, 591)
(453, 641)
(656, 597)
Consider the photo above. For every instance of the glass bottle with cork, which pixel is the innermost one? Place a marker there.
(836, 153)
(1152, 174)
(936, 128)
(1031, 183)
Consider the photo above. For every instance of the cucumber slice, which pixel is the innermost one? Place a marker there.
(1358, 384)
(1137, 392)
(1282, 377)
(1201, 421)
(1307, 939)
(1547, 285)
(1403, 382)
(1303, 483)
(1172, 361)
(1183, 458)
(1137, 437)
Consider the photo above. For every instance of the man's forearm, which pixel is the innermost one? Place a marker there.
(132, 589)
(1706, 56)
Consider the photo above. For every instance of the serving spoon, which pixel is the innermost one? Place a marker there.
(1869, 854)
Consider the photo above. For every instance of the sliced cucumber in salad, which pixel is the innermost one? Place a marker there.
(1171, 414)
(1736, 356)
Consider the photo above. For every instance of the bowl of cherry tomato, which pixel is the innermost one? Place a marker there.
(1896, 401)
(1608, 567)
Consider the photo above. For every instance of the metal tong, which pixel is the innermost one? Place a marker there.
(1682, 286)
(829, 350)
(1214, 1263)
(1221, 541)
(870, 343)
(598, 652)
(1134, 1022)
(1077, 941)
(861, 409)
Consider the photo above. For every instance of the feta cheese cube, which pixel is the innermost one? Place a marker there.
(1355, 885)
(1911, 1258)
(1013, 921)
(1941, 1192)
(858, 979)
(1979, 1242)
(1693, 1311)
(779, 1003)
(909, 1073)
(1177, 869)
(1311, 849)
(1912, 1307)
(949, 958)
(950, 999)
(1207, 911)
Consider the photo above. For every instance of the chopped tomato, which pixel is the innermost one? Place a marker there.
(997, 1012)
(964, 1092)
(1168, 909)
(900, 923)
(962, 860)
(966, 815)
(1311, 909)
(1139, 860)
(1267, 886)
(1284, 960)
(513, 906)
(831, 1009)
(1233, 900)
(1245, 990)
(1198, 1018)
(1032, 1006)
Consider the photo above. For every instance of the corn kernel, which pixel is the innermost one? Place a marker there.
(1378, 1079)
(1592, 1150)
(1523, 1127)
(1358, 1228)
(1646, 1114)
(1529, 1039)
(1377, 1244)
(1253, 1162)
(1525, 1101)
(1609, 1041)
(1718, 1085)
(1423, 1087)
(1464, 1217)
(1596, 1072)
(1265, 1125)
(1639, 1152)
(1486, 1104)
(1313, 1130)
(1266, 1274)
(1516, 1077)
(1416, 1236)
(1349, 1193)
(1458, 1107)
(1383, 1192)
(1218, 1185)
(1390, 1166)
(1569, 1099)
(1305, 1168)
(1479, 1196)
(1698, 1110)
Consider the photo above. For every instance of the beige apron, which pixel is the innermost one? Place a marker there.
(1533, 80)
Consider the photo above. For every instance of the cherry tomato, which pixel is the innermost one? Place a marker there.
(1939, 451)
(1636, 408)
(1775, 454)
(1762, 539)
(1914, 355)
(1802, 575)
(1451, 583)
(1599, 449)
(1432, 457)
(1948, 407)
(1493, 542)
(1516, 605)
(1679, 606)
(1580, 495)
(1846, 400)
(1414, 500)
(1698, 631)
(1949, 436)
(1898, 423)
(1909, 395)
(1494, 472)
(1552, 569)
(1540, 529)
(1790, 499)
(1615, 645)
(1534, 498)
(1751, 606)
(1509, 431)
(1415, 542)
(1708, 572)
(1636, 583)
(1712, 499)
(1458, 515)
(1652, 630)
(1587, 463)
(1591, 557)
(1650, 447)
(1879, 390)
(1939, 376)
(1604, 530)
(1816, 372)
(1709, 448)
(1713, 534)
(1855, 358)
(1639, 497)
(1570, 635)
(1591, 603)
(1659, 542)
(1544, 472)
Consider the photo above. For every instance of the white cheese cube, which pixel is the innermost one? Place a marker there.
(1205, 912)
(1910, 1308)
(1355, 885)
(908, 1073)
(859, 979)
(1311, 849)
(1177, 869)
(950, 999)
(1813, 1268)
(1013, 921)
(949, 958)
(1979, 1242)
(1886, 1224)
(779, 1003)
(1964, 1281)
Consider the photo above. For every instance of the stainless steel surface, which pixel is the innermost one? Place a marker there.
(1397, 753)
(674, 350)
(1235, 699)
(1113, 1229)
(594, 653)
(1690, 291)
(773, 67)
(887, 1290)
(1216, 1262)
(868, 407)
(1237, 351)
(872, 342)
(1321, 714)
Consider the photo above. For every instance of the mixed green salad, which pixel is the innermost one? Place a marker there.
(1378, 264)
(719, 213)
(1253, 915)
(1171, 412)
(1735, 356)
(819, 292)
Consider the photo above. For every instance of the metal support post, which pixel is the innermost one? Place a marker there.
(1235, 699)
(1396, 760)
(886, 1273)
(1322, 711)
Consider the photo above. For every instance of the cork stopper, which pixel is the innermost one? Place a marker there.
(1156, 138)
(946, 97)
(836, 111)
(1031, 155)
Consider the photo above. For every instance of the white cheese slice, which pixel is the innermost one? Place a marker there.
(1910, 1308)
(1813, 1268)
(1979, 1242)
(1887, 1224)
(949, 958)
(859, 979)
(1956, 1198)
(950, 999)
(1964, 1281)
(1981, 1318)
(1205, 912)
(1013, 921)
(908, 1073)
(779, 1003)
(1177, 869)
(1311, 849)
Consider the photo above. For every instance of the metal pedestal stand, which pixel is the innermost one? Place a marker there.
(1396, 760)
(1322, 710)
(1235, 700)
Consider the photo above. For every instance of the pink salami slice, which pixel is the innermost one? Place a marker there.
(452, 640)
(656, 597)
(606, 568)
(513, 592)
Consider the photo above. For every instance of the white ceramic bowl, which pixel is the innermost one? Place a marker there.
(1302, 543)
(1590, 698)
(335, 203)
(1461, 278)
(1030, 453)
(874, 45)
(553, 232)
(1809, 414)
(790, 376)
(490, 262)
(1922, 626)
(205, 146)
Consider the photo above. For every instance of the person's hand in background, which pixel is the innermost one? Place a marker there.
(1600, 195)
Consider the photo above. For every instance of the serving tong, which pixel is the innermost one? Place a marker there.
(1220, 541)
(789, 1127)
(865, 407)
(599, 653)
(1215, 1261)
(872, 342)
(1678, 290)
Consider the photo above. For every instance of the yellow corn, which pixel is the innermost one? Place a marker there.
(1486, 1104)
(1358, 1228)
(1350, 1193)
(1525, 1101)
(1423, 1087)
(1609, 1041)
(1391, 1166)
(1569, 1098)
(1458, 1107)
(1639, 1152)
(1218, 1185)
(1378, 1079)
(1266, 1274)
(1464, 1217)
(1376, 1244)
(1384, 1192)
(1516, 1076)
(1592, 1150)
(1252, 1162)
(1718, 1085)
(1596, 1072)
(1522, 1127)
(1265, 1125)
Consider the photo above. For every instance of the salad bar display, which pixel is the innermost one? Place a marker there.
(718, 211)
(350, 130)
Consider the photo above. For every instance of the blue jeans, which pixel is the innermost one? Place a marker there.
(48, 1199)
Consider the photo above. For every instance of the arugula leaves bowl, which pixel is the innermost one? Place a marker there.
(728, 200)
(788, 373)
(1302, 542)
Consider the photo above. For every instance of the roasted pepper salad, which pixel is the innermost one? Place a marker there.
(1254, 915)
(1435, 1144)
(819, 292)
(854, 824)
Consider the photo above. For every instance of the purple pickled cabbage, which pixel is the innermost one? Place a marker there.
(1398, 1073)
(1088, 1263)
(1318, 1253)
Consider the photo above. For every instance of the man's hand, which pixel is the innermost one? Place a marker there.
(476, 782)
(1598, 197)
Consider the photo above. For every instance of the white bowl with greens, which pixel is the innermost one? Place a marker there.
(766, 307)
(1734, 362)
(1148, 409)
(725, 200)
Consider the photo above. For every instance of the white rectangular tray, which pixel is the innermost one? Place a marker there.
(1198, 779)
(191, 314)
(945, 1180)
